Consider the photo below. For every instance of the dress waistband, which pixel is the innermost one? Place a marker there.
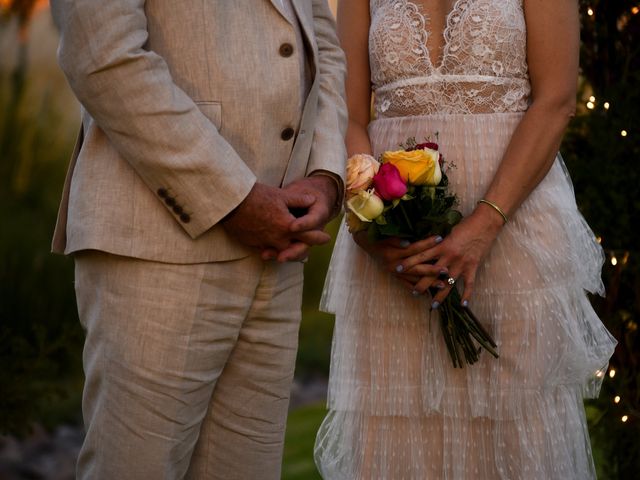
(438, 78)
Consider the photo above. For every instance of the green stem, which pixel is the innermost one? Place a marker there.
(477, 323)
(448, 339)
(484, 341)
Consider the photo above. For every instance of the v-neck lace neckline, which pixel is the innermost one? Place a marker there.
(457, 8)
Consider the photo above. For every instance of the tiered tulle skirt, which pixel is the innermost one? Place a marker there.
(398, 409)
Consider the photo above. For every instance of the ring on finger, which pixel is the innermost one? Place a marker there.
(451, 281)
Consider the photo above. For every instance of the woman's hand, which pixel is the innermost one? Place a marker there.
(460, 253)
(392, 253)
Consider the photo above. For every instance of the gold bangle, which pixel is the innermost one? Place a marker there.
(496, 208)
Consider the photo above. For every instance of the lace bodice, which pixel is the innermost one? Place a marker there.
(482, 67)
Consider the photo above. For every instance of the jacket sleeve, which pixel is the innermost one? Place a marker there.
(152, 123)
(328, 151)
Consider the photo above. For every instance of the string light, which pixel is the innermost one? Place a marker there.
(624, 255)
(635, 10)
(625, 258)
(590, 12)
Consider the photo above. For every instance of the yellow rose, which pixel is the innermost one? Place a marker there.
(366, 205)
(417, 167)
(360, 171)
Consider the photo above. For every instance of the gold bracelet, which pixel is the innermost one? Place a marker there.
(496, 208)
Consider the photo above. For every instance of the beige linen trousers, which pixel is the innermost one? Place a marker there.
(191, 338)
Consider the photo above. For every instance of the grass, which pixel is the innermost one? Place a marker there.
(302, 425)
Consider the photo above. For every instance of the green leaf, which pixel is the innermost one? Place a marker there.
(453, 217)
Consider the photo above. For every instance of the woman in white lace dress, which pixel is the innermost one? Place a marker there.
(496, 80)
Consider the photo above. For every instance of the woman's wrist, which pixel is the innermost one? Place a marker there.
(497, 209)
(491, 217)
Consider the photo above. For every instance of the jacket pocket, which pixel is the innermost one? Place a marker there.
(213, 111)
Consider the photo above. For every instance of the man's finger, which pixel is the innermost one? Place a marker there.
(313, 237)
(296, 252)
(315, 218)
(296, 199)
(269, 254)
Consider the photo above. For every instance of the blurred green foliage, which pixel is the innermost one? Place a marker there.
(316, 329)
(40, 338)
(302, 426)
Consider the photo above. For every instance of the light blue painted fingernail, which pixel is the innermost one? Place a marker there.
(435, 305)
(405, 243)
(399, 268)
(438, 239)
(415, 293)
(465, 303)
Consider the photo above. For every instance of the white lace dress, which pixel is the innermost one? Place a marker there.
(397, 408)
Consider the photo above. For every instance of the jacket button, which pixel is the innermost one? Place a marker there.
(286, 50)
(170, 201)
(177, 209)
(162, 192)
(185, 218)
(287, 134)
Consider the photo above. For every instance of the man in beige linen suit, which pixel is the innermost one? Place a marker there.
(204, 126)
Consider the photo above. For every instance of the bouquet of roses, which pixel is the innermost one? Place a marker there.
(405, 195)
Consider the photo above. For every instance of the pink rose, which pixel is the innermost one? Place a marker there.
(388, 183)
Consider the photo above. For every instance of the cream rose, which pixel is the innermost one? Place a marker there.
(417, 167)
(366, 205)
(360, 171)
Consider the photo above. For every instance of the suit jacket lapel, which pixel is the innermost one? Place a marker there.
(305, 22)
(307, 28)
(308, 32)
(277, 4)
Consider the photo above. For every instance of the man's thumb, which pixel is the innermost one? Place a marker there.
(299, 200)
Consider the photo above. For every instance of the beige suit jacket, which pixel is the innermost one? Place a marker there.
(185, 106)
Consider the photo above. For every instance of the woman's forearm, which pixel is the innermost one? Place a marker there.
(553, 44)
(357, 139)
(530, 154)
